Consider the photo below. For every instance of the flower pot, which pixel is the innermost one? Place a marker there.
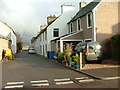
(76, 66)
(60, 61)
(69, 63)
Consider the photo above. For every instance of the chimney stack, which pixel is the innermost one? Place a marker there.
(82, 4)
(50, 19)
(42, 27)
(65, 8)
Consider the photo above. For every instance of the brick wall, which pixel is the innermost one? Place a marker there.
(86, 33)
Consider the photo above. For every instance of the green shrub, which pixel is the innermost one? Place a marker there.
(60, 56)
(67, 48)
(76, 59)
(115, 43)
(68, 58)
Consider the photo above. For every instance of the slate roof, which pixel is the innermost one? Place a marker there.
(42, 31)
(63, 36)
(85, 10)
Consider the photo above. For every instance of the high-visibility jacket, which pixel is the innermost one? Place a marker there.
(8, 52)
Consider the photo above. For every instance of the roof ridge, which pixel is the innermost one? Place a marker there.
(85, 10)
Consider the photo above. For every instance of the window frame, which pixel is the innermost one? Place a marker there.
(86, 40)
(57, 30)
(79, 28)
(71, 27)
(43, 36)
(90, 20)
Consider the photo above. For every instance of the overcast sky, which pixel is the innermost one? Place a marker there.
(25, 16)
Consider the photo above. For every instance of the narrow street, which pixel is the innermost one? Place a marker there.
(34, 71)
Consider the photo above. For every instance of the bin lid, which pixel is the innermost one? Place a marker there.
(51, 51)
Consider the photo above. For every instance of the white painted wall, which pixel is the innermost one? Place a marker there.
(14, 41)
(41, 43)
(7, 31)
(60, 23)
(65, 8)
(37, 46)
(4, 29)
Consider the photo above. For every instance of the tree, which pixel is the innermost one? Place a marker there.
(19, 42)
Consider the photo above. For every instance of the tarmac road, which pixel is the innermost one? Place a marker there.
(34, 71)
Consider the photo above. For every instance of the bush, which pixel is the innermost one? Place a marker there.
(67, 52)
(115, 43)
(76, 59)
(60, 56)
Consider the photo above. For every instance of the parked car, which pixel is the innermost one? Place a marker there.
(31, 51)
(92, 51)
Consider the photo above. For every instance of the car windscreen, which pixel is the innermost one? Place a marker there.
(79, 48)
(94, 47)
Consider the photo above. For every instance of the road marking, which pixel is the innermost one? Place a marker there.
(15, 86)
(88, 80)
(81, 78)
(68, 82)
(43, 84)
(12, 83)
(39, 81)
(108, 78)
(65, 79)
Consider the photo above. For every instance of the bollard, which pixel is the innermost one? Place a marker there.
(80, 60)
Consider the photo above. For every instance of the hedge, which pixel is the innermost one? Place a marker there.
(115, 43)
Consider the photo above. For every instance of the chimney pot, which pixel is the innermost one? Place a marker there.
(43, 26)
(51, 18)
(82, 4)
(65, 8)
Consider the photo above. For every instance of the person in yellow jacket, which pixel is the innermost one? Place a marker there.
(8, 54)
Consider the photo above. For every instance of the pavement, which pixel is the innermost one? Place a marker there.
(107, 73)
(104, 73)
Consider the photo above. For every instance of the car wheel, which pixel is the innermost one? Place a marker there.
(99, 61)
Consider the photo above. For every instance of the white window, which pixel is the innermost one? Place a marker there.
(43, 36)
(56, 32)
(79, 25)
(46, 35)
(71, 27)
(40, 49)
(89, 20)
(46, 48)
(40, 38)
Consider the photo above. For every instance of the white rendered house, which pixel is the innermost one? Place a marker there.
(56, 29)
(7, 31)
